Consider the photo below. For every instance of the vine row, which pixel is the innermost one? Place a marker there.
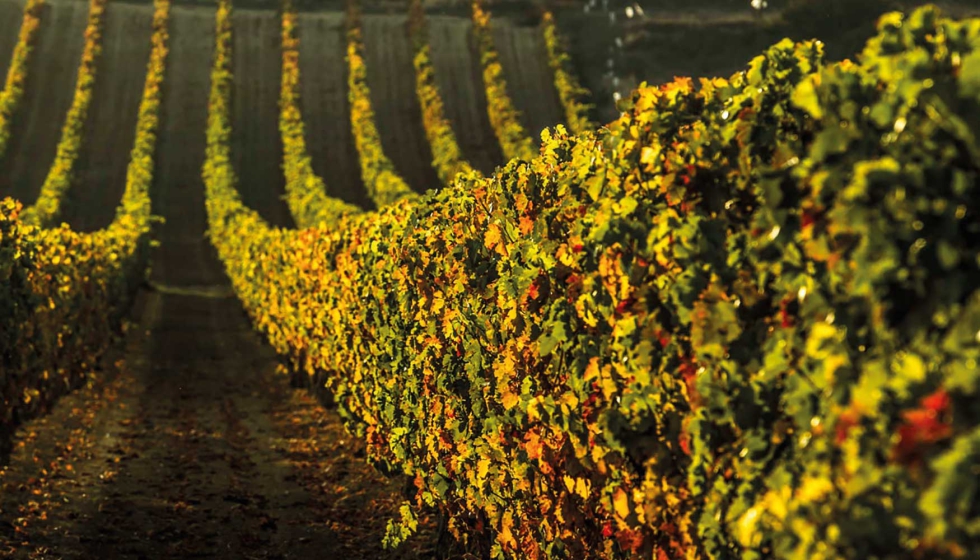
(306, 192)
(65, 293)
(504, 117)
(448, 159)
(13, 89)
(47, 208)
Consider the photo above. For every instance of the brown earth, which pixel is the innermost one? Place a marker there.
(11, 16)
(326, 111)
(110, 129)
(530, 81)
(36, 126)
(460, 82)
(391, 78)
(184, 257)
(255, 140)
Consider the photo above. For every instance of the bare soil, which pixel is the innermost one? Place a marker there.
(460, 82)
(11, 16)
(190, 446)
(256, 142)
(36, 126)
(184, 259)
(326, 110)
(530, 81)
(391, 77)
(110, 129)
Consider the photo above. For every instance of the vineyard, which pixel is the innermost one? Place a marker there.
(372, 280)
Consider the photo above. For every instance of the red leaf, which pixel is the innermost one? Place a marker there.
(922, 427)
(607, 530)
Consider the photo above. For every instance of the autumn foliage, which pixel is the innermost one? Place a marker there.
(63, 294)
(47, 208)
(505, 119)
(740, 321)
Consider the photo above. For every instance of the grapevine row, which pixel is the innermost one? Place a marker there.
(306, 193)
(64, 292)
(504, 117)
(570, 91)
(383, 183)
(47, 208)
(448, 159)
(13, 90)
(741, 321)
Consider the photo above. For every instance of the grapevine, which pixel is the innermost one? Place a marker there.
(13, 90)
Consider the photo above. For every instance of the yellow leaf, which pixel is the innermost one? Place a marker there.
(492, 238)
(592, 370)
(621, 503)
(506, 536)
(509, 399)
(533, 445)
(482, 468)
(569, 483)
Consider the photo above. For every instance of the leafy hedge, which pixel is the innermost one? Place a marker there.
(740, 321)
(448, 159)
(570, 91)
(383, 183)
(306, 193)
(63, 293)
(504, 117)
(47, 208)
(13, 89)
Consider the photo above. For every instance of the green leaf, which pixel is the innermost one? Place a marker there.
(805, 97)
(970, 76)
(550, 341)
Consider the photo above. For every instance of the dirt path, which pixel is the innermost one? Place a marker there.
(184, 258)
(256, 144)
(530, 81)
(192, 447)
(36, 127)
(100, 173)
(391, 77)
(458, 76)
(11, 16)
(326, 111)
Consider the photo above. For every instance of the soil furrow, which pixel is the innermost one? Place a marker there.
(326, 110)
(48, 93)
(256, 143)
(460, 82)
(110, 129)
(391, 77)
(530, 81)
(184, 258)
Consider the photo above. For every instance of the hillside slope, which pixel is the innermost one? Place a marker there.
(459, 79)
(11, 15)
(326, 110)
(48, 94)
(100, 173)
